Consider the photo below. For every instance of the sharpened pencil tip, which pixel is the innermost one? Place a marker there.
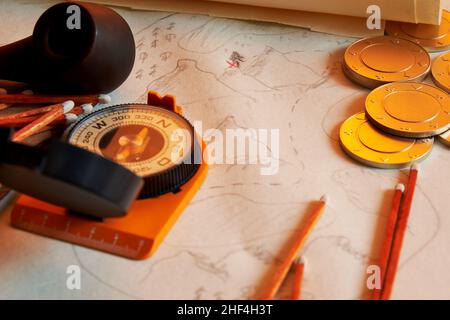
(415, 166)
(324, 198)
(301, 260)
(400, 187)
(87, 108)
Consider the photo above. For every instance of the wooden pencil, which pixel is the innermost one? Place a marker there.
(397, 243)
(387, 243)
(299, 270)
(37, 125)
(280, 274)
(40, 99)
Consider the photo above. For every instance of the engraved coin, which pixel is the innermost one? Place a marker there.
(409, 109)
(441, 71)
(431, 37)
(367, 144)
(376, 61)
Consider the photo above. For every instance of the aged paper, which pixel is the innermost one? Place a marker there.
(423, 11)
(236, 230)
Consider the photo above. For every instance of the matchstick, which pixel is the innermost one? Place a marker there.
(3, 91)
(31, 112)
(4, 106)
(387, 244)
(24, 118)
(299, 266)
(20, 122)
(280, 274)
(38, 99)
(43, 121)
(67, 119)
(402, 222)
(13, 86)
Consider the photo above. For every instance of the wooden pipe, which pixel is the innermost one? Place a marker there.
(96, 58)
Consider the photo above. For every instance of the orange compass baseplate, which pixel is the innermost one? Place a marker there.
(136, 235)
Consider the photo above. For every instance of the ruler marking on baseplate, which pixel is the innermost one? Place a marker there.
(58, 227)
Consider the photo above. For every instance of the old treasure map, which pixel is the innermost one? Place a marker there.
(234, 74)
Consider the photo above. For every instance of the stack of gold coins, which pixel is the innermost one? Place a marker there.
(398, 125)
(431, 37)
(402, 115)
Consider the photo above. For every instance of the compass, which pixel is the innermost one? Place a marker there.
(155, 143)
(99, 170)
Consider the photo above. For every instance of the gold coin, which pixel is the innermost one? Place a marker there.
(431, 37)
(445, 138)
(376, 61)
(366, 144)
(441, 71)
(409, 109)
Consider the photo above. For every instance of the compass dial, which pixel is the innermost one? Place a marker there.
(156, 144)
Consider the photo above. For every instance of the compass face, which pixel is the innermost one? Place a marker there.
(145, 139)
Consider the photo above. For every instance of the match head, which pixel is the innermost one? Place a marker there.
(104, 98)
(28, 92)
(400, 187)
(71, 118)
(324, 198)
(3, 91)
(87, 108)
(68, 105)
(302, 260)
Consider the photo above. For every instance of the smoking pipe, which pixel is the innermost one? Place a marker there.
(76, 48)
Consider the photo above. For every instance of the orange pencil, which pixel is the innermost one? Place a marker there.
(37, 99)
(280, 274)
(387, 244)
(42, 122)
(299, 269)
(402, 222)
